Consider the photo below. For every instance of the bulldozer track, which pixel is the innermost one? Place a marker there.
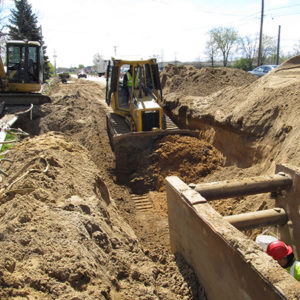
(170, 124)
(142, 203)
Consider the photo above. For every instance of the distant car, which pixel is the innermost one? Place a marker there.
(263, 70)
(82, 74)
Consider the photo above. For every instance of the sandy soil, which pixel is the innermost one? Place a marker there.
(68, 230)
(252, 121)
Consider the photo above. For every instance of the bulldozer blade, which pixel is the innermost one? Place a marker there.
(127, 145)
(24, 98)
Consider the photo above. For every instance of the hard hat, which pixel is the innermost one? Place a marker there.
(279, 249)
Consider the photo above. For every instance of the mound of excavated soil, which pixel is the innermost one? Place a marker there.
(187, 80)
(186, 157)
(62, 228)
(61, 236)
(254, 124)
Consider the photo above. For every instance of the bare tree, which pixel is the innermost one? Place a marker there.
(269, 47)
(297, 48)
(211, 50)
(248, 47)
(4, 13)
(224, 38)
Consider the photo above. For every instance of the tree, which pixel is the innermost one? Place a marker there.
(297, 48)
(51, 69)
(224, 38)
(211, 50)
(4, 14)
(269, 47)
(24, 26)
(248, 47)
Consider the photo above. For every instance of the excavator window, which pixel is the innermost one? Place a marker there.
(148, 77)
(156, 79)
(23, 63)
(33, 72)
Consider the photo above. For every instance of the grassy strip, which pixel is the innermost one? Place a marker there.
(4, 147)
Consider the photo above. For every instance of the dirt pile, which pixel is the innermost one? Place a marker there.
(57, 235)
(265, 111)
(187, 80)
(254, 125)
(62, 228)
(186, 157)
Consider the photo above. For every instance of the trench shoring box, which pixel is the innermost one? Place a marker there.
(228, 264)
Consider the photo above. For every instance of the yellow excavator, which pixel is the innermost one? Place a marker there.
(133, 91)
(21, 76)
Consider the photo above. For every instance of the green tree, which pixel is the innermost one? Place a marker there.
(51, 69)
(24, 26)
(224, 38)
(244, 64)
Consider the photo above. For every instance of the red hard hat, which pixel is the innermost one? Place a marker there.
(279, 249)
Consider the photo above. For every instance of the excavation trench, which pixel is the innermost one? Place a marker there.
(81, 203)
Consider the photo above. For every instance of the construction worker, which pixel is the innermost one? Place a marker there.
(285, 257)
(128, 82)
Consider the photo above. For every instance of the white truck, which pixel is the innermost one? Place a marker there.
(100, 65)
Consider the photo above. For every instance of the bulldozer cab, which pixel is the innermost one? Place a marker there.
(133, 91)
(24, 66)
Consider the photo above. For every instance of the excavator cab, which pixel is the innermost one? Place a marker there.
(24, 64)
(22, 76)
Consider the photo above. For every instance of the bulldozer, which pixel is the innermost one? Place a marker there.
(21, 76)
(137, 120)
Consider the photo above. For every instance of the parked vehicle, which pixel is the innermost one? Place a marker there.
(263, 70)
(81, 74)
(64, 76)
(101, 66)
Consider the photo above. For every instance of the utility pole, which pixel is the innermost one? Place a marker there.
(54, 56)
(115, 50)
(278, 45)
(260, 34)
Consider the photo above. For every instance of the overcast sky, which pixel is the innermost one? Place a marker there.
(78, 29)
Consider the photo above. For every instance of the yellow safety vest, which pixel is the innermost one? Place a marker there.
(129, 79)
(294, 270)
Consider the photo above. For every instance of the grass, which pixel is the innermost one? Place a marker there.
(9, 137)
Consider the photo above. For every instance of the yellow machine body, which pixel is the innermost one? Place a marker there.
(21, 73)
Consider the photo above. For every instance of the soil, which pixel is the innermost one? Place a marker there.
(67, 229)
(252, 121)
(70, 230)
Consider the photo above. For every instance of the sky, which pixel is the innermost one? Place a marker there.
(75, 30)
